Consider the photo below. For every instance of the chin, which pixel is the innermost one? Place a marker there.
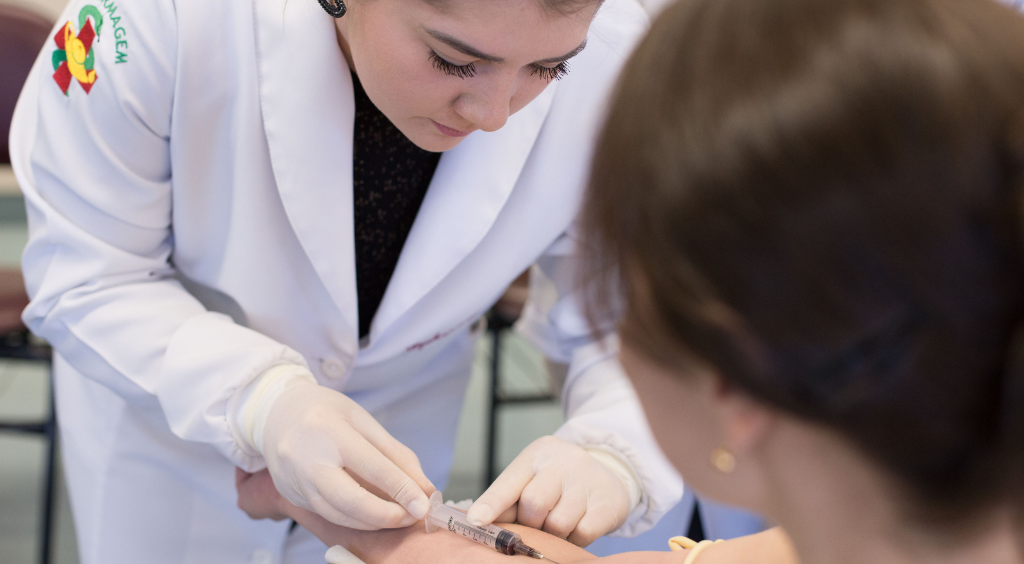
(435, 143)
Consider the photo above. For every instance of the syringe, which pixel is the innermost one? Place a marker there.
(504, 541)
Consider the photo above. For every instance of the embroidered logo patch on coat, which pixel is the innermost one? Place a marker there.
(74, 57)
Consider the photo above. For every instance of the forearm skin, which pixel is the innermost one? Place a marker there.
(413, 545)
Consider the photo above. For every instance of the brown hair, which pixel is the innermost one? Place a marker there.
(569, 7)
(557, 7)
(822, 200)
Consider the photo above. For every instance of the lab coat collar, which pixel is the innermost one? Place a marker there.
(306, 98)
(308, 112)
(470, 187)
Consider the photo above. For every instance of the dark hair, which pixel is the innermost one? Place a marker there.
(558, 7)
(569, 7)
(822, 200)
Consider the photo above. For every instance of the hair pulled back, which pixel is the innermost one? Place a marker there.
(822, 199)
(559, 7)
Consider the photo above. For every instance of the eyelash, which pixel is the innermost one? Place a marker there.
(461, 71)
(547, 74)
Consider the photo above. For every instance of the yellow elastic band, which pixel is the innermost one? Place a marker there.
(675, 544)
(684, 543)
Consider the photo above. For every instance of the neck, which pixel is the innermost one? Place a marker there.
(837, 510)
(343, 43)
(852, 541)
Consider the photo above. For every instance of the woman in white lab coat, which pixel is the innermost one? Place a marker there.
(188, 170)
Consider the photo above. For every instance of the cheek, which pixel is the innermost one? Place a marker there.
(678, 414)
(396, 72)
(527, 91)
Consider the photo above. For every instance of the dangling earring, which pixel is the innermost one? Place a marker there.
(335, 11)
(723, 460)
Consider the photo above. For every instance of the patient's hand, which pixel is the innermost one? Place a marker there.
(258, 497)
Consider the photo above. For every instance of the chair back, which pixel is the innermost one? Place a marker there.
(23, 34)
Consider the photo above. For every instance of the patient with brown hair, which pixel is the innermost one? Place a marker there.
(805, 221)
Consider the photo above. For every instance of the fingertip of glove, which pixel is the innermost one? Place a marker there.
(479, 514)
(418, 508)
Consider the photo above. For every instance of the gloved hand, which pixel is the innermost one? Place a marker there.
(561, 489)
(320, 446)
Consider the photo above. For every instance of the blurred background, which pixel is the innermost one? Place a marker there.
(512, 398)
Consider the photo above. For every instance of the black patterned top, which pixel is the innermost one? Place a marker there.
(390, 178)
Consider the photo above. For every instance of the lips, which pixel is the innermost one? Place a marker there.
(449, 131)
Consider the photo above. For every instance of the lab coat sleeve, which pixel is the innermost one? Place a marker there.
(601, 407)
(96, 173)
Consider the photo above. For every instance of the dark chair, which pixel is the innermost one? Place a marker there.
(17, 343)
(22, 35)
(500, 319)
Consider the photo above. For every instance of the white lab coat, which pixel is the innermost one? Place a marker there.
(191, 226)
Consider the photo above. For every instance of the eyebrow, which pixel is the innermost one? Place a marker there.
(468, 50)
(566, 56)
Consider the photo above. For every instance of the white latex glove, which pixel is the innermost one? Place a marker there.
(317, 443)
(340, 555)
(561, 489)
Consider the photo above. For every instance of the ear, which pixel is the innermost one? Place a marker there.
(745, 422)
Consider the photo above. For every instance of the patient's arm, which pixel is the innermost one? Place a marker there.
(413, 545)
(258, 497)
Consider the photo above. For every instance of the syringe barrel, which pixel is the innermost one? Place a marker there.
(441, 516)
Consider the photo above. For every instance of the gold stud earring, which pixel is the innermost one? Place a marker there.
(723, 460)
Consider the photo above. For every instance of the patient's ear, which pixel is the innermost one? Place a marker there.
(746, 422)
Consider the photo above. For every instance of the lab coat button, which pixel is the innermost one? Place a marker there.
(332, 368)
(262, 556)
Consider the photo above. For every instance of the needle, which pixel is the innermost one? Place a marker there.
(522, 548)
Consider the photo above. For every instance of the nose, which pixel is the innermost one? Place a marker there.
(486, 108)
